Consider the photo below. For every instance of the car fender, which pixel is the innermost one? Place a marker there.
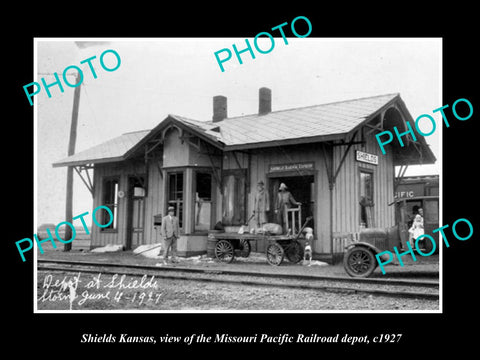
(363, 244)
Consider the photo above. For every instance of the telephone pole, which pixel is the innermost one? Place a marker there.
(71, 150)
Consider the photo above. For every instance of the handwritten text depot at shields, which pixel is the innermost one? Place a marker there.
(77, 291)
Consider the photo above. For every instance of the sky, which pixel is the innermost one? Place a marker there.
(180, 76)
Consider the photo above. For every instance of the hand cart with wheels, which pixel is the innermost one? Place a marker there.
(229, 245)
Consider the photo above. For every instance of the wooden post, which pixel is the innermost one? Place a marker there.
(71, 150)
(328, 158)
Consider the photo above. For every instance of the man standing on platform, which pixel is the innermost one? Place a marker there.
(284, 201)
(261, 205)
(170, 233)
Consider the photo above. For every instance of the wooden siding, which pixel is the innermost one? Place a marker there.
(153, 201)
(258, 166)
(346, 209)
(346, 213)
(176, 151)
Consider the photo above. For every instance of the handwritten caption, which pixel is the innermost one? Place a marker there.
(108, 288)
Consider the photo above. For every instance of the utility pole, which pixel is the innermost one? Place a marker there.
(71, 150)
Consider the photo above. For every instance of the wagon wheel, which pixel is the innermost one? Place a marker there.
(245, 248)
(224, 251)
(359, 262)
(294, 252)
(274, 254)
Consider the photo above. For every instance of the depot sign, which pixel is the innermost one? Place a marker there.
(404, 194)
(366, 157)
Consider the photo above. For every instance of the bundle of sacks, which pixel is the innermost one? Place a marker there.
(274, 229)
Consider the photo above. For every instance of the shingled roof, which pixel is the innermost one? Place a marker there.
(112, 150)
(313, 122)
(316, 123)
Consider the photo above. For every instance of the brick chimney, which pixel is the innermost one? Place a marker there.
(219, 108)
(264, 101)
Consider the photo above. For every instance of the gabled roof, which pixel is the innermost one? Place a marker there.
(317, 123)
(309, 124)
(110, 151)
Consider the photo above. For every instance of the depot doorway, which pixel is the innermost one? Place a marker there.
(135, 211)
(302, 189)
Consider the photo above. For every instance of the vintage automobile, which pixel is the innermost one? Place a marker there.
(359, 259)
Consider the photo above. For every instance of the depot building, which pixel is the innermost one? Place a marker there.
(326, 154)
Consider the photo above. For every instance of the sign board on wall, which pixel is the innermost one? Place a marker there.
(291, 167)
(366, 157)
(404, 194)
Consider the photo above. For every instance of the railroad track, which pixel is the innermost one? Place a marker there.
(398, 288)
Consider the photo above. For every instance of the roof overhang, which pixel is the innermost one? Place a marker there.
(415, 152)
(113, 150)
(285, 142)
(158, 134)
(65, 162)
(151, 138)
(412, 153)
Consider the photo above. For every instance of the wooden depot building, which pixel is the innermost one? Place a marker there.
(326, 154)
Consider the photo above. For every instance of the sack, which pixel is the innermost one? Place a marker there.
(218, 226)
(272, 228)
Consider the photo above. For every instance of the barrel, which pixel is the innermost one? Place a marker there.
(211, 242)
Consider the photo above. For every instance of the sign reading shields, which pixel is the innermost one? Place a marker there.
(291, 167)
(366, 157)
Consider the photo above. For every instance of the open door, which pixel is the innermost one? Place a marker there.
(431, 222)
(136, 212)
(402, 223)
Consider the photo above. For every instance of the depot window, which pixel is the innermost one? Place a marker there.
(110, 200)
(366, 198)
(234, 197)
(203, 200)
(175, 193)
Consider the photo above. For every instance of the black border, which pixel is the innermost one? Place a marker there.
(423, 333)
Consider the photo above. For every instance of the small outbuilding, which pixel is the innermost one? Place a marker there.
(326, 154)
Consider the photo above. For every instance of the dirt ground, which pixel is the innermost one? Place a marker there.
(106, 292)
(424, 267)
